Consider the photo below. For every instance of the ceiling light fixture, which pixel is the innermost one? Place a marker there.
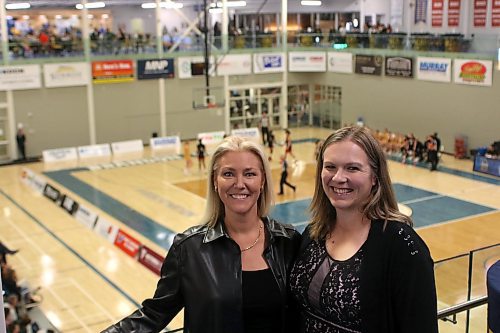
(91, 5)
(310, 2)
(20, 5)
(167, 5)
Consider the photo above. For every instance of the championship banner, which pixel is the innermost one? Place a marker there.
(473, 72)
(437, 13)
(20, 77)
(479, 12)
(340, 62)
(59, 154)
(127, 243)
(94, 151)
(155, 69)
(420, 11)
(166, 143)
(495, 13)
(234, 64)
(454, 13)
(368, 64)
(112, 71)
(189, 67)
(307, 61)
(399, 66)
(69, 74)
(104, 228)
(151, 259)
(269, 63)
(433, 69)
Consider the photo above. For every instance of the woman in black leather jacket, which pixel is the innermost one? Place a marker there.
(230, 274)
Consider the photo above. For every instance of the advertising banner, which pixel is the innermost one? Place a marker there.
(399, 66)
(51, 192)
(127, 146)
(234, 64)
(479, 13)
(20, 77)
(94, 151)
(307, 61)
(249, 133)
(487, 165)
(104, 228)
(151, 259)
(33, 180)
(189, 67)
(155, 69)
(211, 138)
(420, 11)
(69, 204)
(340, 62)
(166, 143)
(453, 13)
(495, 13)
(369, 64)
(127, 243)
(112, 71)
(433, 69)
(437, 13)
(473, 72)
(66, 75)
(269, 63)
(59, 154)
(85, 216)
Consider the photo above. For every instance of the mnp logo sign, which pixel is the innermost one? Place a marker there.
(155, 69)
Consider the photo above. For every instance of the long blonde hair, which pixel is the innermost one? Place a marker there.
(214, 209)
(382, 203)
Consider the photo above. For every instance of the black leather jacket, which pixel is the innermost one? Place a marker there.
(202, 274)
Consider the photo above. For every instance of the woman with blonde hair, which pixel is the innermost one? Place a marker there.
(229, 274)
(361, 267)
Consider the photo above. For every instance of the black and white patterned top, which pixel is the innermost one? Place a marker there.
(327, 290)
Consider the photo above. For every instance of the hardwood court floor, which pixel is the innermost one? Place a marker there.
(87, 283)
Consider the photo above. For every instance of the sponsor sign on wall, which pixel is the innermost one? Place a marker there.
(479, 12)
(155, 69)
(127, 243)
(369, 64)
(340, 62)
(20, 77)
(234, 64)
(399, 66)
(94, 151)
(473, 72)
(166, 143)
(66, 74)
(104, 228)
(193, 66)
(268, 63)
(307, 61)
(433, 69)
(59, 154)
(127, 146)
(112, 71)
(453, 13)
(250, 133)
(437, 13)
(211, 138)
(151, 259)
(495, 13)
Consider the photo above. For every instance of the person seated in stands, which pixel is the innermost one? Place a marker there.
(409, 148)
(493, 150)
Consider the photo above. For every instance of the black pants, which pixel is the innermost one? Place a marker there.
(433, 158)
(265, 135)
(284, 176)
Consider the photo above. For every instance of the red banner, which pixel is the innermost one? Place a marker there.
(127, 243)
(437, 13)
(151, 259)
(480, 9)
(112, 71)
(495, 13)
(453, 13)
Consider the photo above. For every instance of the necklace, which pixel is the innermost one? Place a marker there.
(254, 243)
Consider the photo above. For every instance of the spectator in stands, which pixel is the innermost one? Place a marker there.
(230, 274)
(362, 267)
